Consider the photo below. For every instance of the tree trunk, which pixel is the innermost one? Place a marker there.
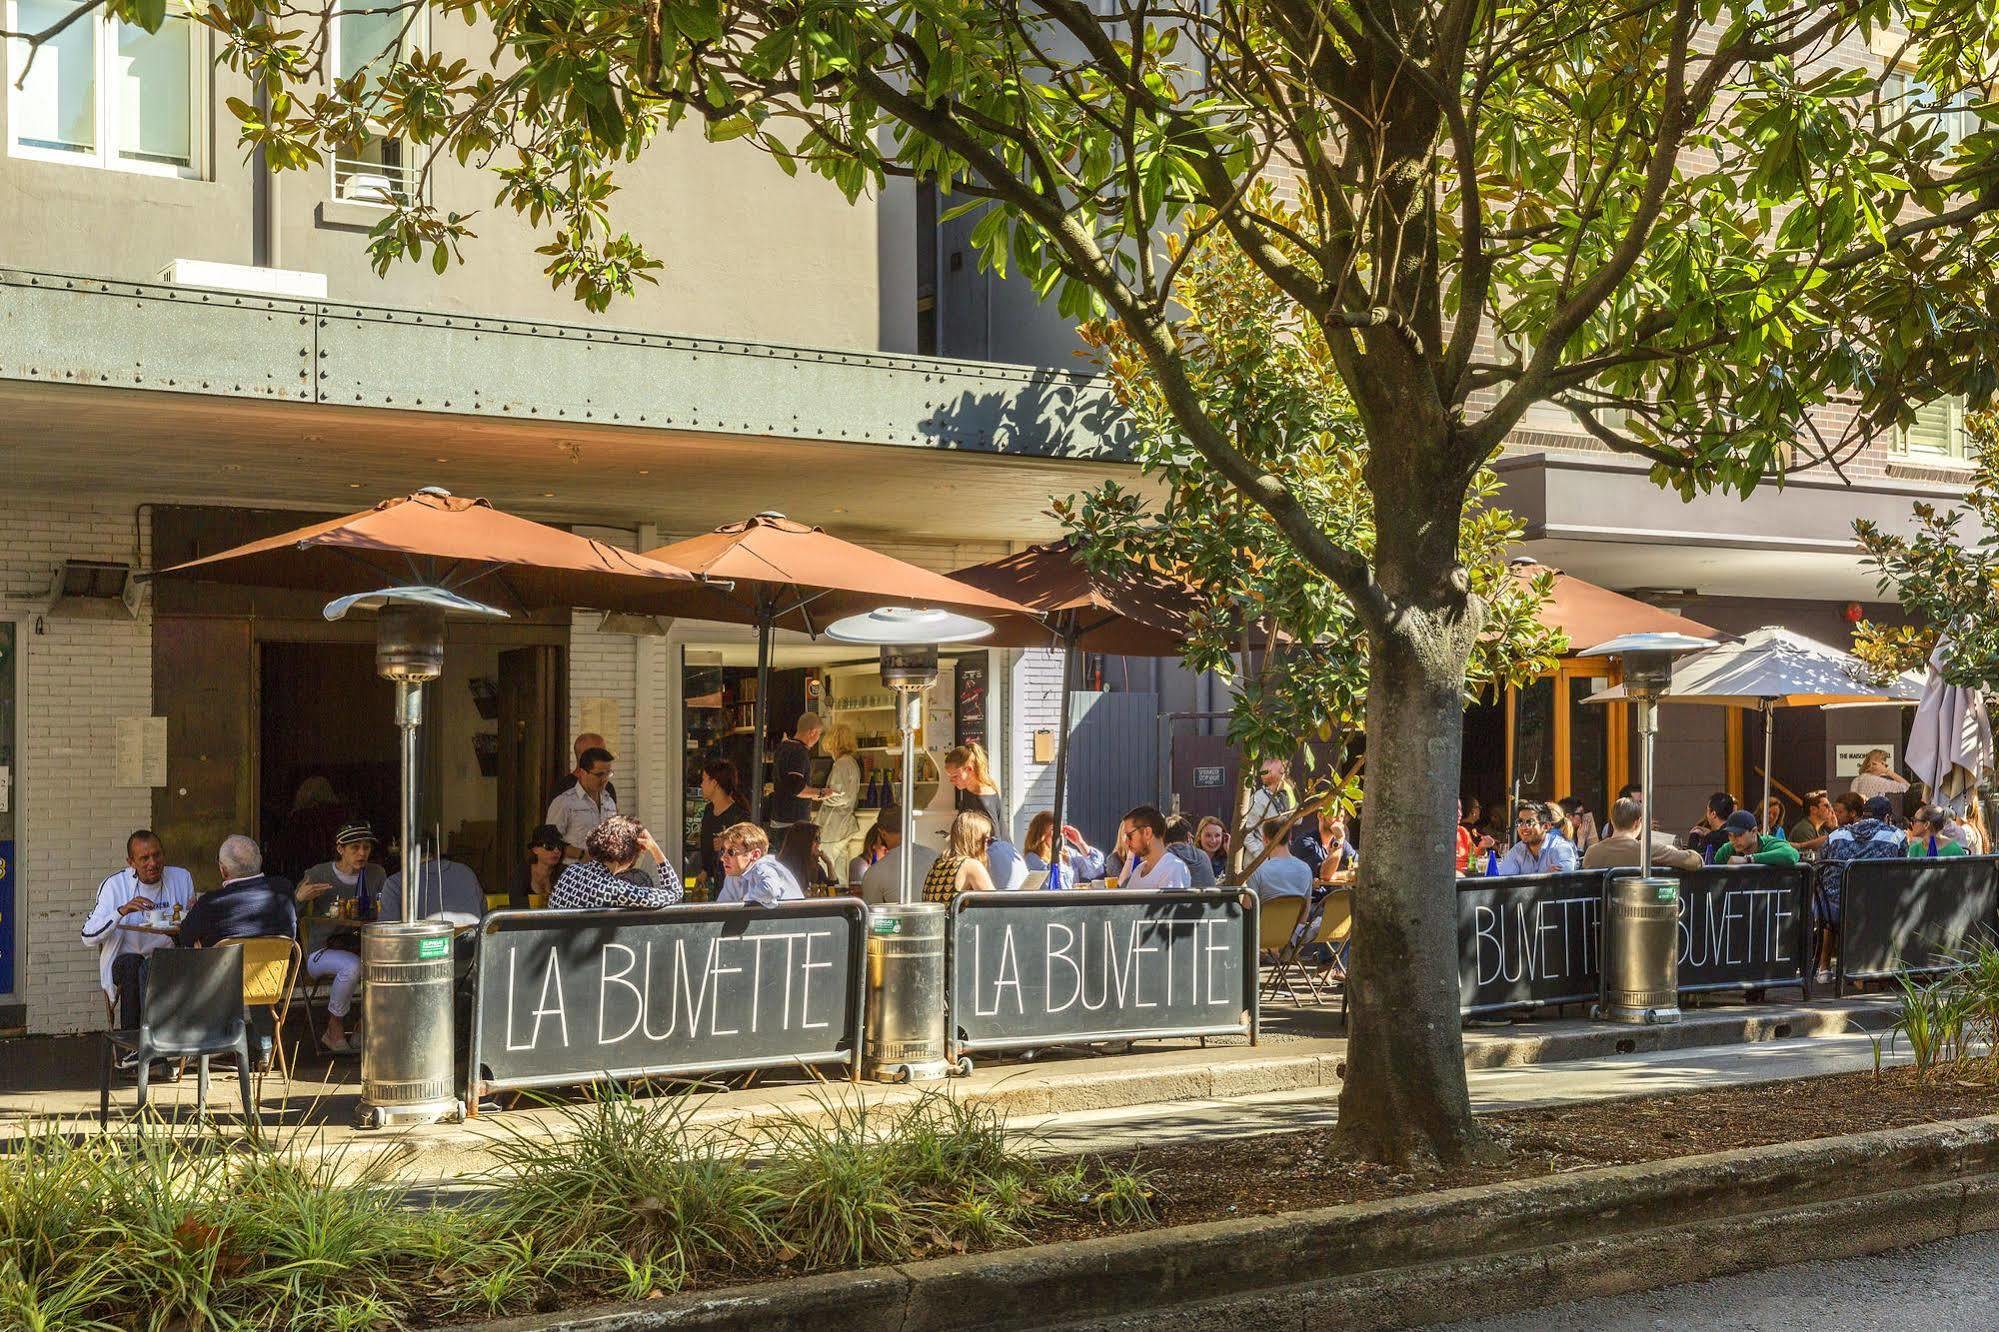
(1405, 1092)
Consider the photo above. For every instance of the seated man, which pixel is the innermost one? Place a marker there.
(1180, 842)
(754, 875)
(1708, 836)
(1321, 842)
(1281, 874)
(1627, 820)
(883, 880)
(1872, 837)
(1748, 844)
(446, 890)
(146, 882)
(250, 904)
(1540, 849)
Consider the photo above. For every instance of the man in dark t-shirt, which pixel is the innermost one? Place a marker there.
(791, 774)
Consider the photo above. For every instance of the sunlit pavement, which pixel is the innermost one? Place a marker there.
(1947, 1286)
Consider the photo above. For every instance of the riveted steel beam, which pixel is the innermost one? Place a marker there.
(149, 336)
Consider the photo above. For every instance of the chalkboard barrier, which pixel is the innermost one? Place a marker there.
(1034, 969)
(570, 997)
(1898, 916)
(1532, 940)
(1744, 927)
(1528, 940)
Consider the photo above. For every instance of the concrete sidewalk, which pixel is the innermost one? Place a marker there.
(56, 1087)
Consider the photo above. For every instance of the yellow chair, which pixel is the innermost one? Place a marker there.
(269, 964)
(1277, 934)
(1335, 931)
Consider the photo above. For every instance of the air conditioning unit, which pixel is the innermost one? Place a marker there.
(288, 283)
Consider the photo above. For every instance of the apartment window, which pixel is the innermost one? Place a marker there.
(1937, 431)
(365, 41)
(1905, 95)
(105, 93)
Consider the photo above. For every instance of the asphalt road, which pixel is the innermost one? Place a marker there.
(1948, 1286)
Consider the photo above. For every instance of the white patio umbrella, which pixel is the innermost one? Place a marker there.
(1950, 740)
(1773, 668)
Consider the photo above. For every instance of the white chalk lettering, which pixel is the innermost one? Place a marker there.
(1052, 954)
(606, 978)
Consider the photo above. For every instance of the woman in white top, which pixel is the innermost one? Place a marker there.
(838, 819)
(1877, 778)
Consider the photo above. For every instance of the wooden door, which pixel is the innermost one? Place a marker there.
(204, 684)
(534, 748)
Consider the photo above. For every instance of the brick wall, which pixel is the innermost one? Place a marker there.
(79, 677)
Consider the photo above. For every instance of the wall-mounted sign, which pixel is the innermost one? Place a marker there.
(1211, 777)
(1847, 757)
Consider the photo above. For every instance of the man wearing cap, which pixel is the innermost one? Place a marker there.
(577, 811)
(1870, 837)
(350, 876)
(1750, 845)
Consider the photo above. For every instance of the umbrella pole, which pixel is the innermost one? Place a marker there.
(1769, 735)
(760, 713)
(1069, 655)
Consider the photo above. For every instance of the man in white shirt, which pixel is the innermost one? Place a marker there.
(578, 810)
(1271, 798)
(753, 875)
(1150, 864)
(146, 882)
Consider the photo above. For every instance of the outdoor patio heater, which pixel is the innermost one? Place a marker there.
(907, 938)
(406, 1050)
(1640, 953)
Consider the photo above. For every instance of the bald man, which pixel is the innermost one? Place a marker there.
(587, 740)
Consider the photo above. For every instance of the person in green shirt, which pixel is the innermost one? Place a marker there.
(1929, 836)
(1750, 845)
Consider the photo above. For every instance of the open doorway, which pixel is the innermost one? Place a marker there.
(327, 746)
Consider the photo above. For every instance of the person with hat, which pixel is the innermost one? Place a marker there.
(351, 876)
(1873, 836)
(536, 876)
(1748, 844)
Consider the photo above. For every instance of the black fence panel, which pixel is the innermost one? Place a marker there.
(569, 997)
(1049, 968)
(1899, 916)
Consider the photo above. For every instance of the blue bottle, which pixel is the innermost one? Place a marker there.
(1492, 861)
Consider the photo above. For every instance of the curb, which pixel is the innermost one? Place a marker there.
(1404, 1262)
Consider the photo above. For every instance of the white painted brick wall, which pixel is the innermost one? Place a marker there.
(80, 677)
(1036, 703)
(606, 666)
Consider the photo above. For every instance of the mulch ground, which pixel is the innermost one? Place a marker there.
(1210, 1181)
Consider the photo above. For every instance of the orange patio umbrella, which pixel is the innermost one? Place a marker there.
(1130, 611)
(774, 572)
(1590, 615)
(452, 543)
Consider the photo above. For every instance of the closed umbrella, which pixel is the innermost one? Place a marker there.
(775, 573)
(1772, 668)
(1950, 739)
(1130, 611)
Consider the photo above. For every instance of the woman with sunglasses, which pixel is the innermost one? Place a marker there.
(963, 868)
(535, 877)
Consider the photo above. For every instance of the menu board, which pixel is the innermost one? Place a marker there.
(971, 700)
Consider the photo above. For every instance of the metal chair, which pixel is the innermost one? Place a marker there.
(269, 964)
(1277, 934)
(193, 1009)
(1335, 932)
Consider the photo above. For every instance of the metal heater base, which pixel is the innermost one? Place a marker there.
(1638, 1017)
(413, 1115)
(928, 1070)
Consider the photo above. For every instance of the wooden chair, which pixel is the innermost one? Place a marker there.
(270, 962)
(1277, 934)
(1335, 932)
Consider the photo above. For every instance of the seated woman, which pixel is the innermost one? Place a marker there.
(609, 875)
(799, 852)
(536, 876)
(963, 867)
(1080, 861)
(350, 876)
(873, 847)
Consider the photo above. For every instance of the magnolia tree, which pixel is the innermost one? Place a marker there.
(1689, 223)
(1945, 574)
(1286, 635)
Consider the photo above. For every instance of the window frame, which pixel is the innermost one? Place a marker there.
(419, 35)
(105, 155)
(1955, 445)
